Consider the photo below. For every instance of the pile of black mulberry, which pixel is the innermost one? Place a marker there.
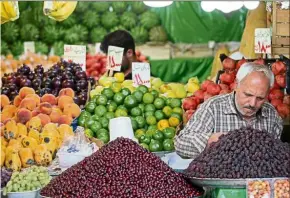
(243, 153)
(120, 169)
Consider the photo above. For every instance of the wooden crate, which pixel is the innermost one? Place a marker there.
(280, 31)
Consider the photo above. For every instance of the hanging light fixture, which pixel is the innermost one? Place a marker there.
(157, 4)
(251, 5)
(208, 6)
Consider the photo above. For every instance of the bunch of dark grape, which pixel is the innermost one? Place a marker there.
(5, 176)
(243, 153)
(120, 169)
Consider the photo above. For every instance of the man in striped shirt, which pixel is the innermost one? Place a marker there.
(246, 106)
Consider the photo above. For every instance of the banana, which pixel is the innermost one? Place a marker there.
(9, 11)
(59, 10)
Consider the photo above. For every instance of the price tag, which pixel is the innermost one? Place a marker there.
(29, 46)
(97, 48)
(263, 40)
(114, 58)
(141, 74)
(76, 53)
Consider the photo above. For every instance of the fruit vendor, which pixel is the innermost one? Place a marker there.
(247, 106)
(122, 38)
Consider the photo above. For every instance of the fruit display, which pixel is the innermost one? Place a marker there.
(30, 179)
(243, 153)
(281, 188)
(52, 27)
(5, 176)
(130, 170)
(50, 109)
(257, 189)
(61, 75)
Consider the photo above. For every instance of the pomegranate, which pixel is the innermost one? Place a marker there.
(207, 96)
(278, 67)
(227, 78)
(260, 61)
(224, 87)
(229, 64)
(199, 94)
(233, 86)
(213, 89)
(189, 103)
(276, 94)
(283, 110)
(275, 86)
(240, 63)
(276, 102)
(281, 80)
(205, 84)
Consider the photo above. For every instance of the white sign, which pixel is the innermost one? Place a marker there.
(263, 40)
(114, 58)
(97, 48)
(29, 46)
(76, 54)
(141, 74)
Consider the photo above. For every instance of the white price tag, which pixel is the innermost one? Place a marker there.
(76, 53)
(114, 58)
(141, 74)
(263, 40)
(29, 46)
(97, 48)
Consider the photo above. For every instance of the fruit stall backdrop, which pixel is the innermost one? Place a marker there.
(51, 107)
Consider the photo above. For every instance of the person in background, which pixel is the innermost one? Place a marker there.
(247, 106)
(122, 38)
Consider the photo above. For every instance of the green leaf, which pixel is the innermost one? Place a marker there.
(9, 32)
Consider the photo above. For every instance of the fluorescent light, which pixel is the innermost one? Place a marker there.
(157, 4)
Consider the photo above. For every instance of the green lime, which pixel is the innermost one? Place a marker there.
(142, 107)
(151, 120)
(108, 92)
(134, 124)
(104, 137)
(142, 88)
(89, 122)
(169, 133)
(119, 98)
(112, 106)
(121, 113)
(168, 145)
(102, 131)
(102, 100)
(177, 110)
(159, 115)
(82, 121)
(158, 135)
(150, 133)
(136, 111)
(155, 93)
(96, 117)
(123, 108)
(104, 122)
(85, 114)
(89, 133)
(176, 115)
(148, 98)
(159, 103)
(144, 139)
(152, 127)
(90, 107)
(96, 126)
(110, 115)
(167, 101)
(175, 102)
(100, 110)
(148, 113)
(167, 111)
(155, 146)
(130, 102)
(150, 107)
(94, 99)
(138, 95)
(125, 91)
(139, 133)
(116, 87)
(141, 121)
(145, 146)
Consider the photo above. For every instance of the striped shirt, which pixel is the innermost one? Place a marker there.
(219, 114)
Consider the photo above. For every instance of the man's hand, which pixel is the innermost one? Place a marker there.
(214, 138)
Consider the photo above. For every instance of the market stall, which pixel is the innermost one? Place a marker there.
(70, 127)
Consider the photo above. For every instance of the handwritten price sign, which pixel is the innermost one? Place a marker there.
(76, 53)
(141, 74)
(114, 58)
(263, 40)
(29, 46)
